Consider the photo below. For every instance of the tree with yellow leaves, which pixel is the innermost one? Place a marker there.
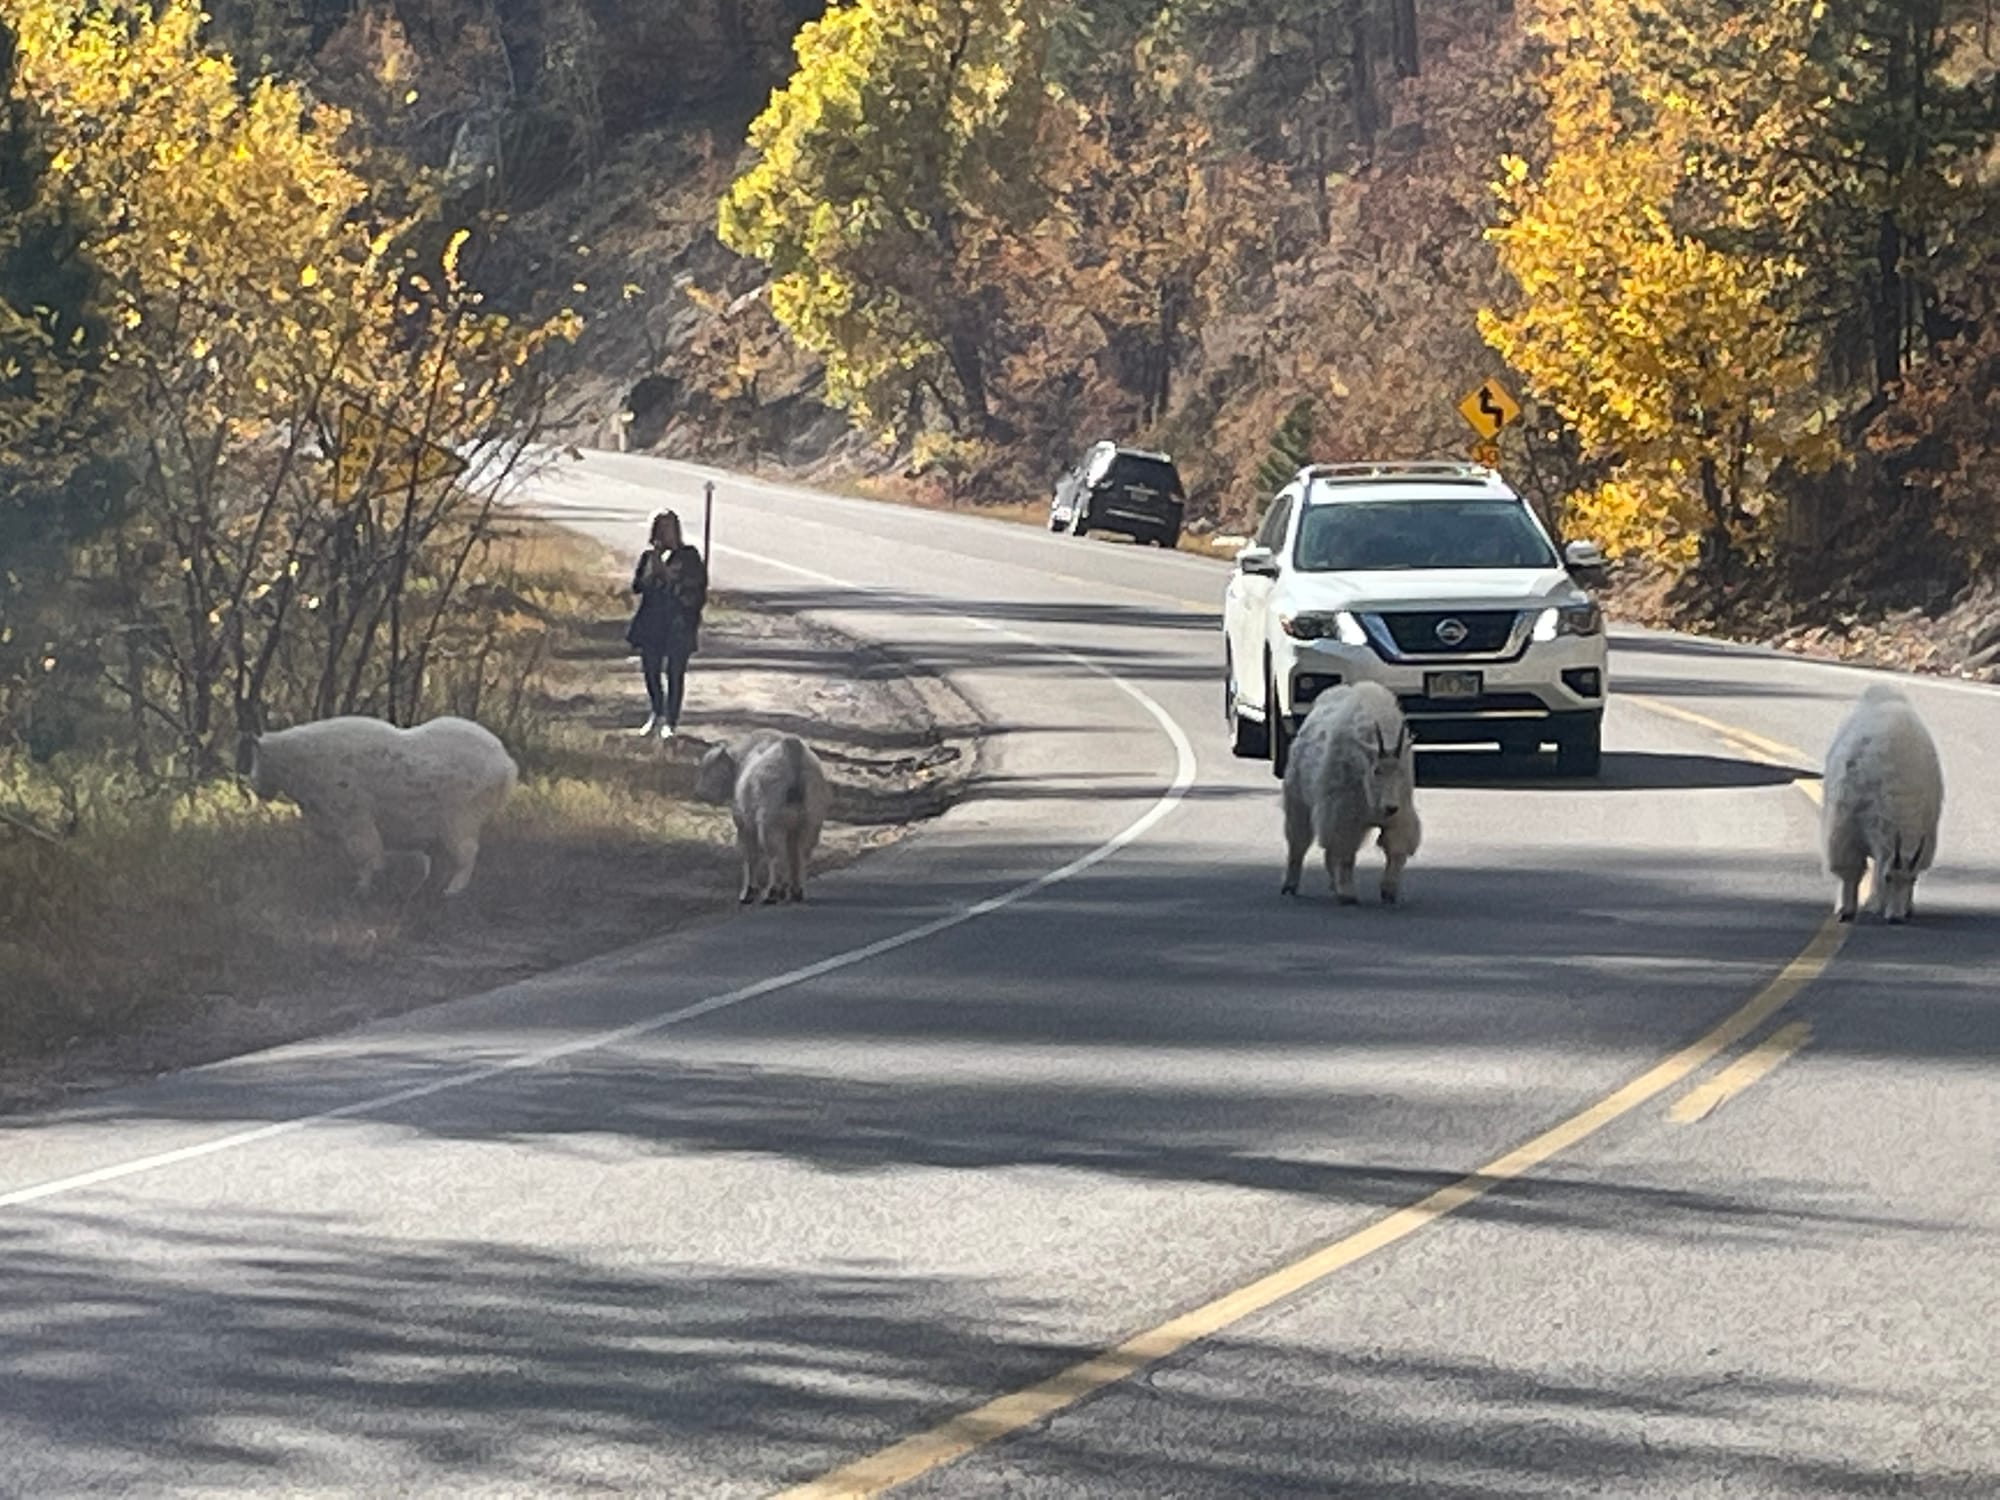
(1646, 316)
(889, 173)
(256, 292)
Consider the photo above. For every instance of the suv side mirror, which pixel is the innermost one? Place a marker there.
(1585, 558)
(1259, 562)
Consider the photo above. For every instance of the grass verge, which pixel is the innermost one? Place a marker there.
(143, 928)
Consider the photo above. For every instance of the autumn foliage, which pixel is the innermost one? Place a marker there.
(255, 289)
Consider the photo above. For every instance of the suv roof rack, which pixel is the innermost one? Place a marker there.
(1416, 468)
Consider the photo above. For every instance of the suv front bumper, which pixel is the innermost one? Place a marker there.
(1551, 685)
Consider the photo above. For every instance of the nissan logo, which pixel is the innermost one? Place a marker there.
(1452, 632)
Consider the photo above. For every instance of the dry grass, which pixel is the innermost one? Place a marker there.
(160, 929)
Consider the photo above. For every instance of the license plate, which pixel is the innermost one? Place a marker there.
(1450, 686)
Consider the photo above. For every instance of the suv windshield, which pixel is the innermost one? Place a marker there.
(1151, 473)
(1383, 535)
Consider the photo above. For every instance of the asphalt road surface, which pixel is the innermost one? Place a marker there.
(1476, 1196)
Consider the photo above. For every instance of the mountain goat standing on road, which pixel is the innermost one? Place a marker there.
(371, 787)
(778, 792)
(1352, 768)
(1884, 790)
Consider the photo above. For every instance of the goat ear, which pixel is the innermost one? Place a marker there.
(1402, 740)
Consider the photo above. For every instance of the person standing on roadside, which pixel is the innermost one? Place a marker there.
(671, 581)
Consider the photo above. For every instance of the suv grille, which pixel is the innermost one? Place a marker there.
(1416, 633)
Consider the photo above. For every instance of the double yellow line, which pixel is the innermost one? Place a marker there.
(900, 1463)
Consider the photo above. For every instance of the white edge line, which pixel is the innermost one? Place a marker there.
(1184, 775)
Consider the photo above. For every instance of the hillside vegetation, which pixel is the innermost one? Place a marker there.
(1737, 260)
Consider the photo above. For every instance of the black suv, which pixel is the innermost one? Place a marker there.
(1121, 489)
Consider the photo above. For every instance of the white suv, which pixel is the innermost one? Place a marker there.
(1435, 580)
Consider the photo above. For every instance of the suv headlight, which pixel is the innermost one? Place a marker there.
(1318, 625)
(1569, 619)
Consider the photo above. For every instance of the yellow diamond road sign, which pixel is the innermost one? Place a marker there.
(383, 457)
(1489, 409)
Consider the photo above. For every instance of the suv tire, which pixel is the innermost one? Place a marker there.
(1248, 740)
(1580, 749)
(1170, 540)
(1277, 733)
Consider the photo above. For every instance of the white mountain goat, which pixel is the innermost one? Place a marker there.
(1884, 791)
(778, 792)
(371, 787)
(1352, 768)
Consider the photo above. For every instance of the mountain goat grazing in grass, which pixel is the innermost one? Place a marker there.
(1883, 793)
(1352, 768)
(778, 792)
(371, 787)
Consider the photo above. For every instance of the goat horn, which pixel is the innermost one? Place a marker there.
(1896, 859)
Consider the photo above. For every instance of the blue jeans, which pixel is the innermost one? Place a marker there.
(665, 697)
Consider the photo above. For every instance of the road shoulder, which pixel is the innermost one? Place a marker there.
(565, 873)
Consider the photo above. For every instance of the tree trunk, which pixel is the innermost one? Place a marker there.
(968, 363)
(1717, 546)
(1360, 75)
(1403, 37)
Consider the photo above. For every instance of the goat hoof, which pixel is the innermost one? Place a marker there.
(1347, 900)
(1388, 898)
(1290, 888)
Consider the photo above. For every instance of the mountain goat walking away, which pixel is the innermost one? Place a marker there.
(1352, 768)
(371, 787)
(1883, 793)
(778, 792)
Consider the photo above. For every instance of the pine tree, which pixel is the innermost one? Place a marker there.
(1291, 449)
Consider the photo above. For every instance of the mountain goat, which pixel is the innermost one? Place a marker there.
(1352, 768)
(778, 793)
(371, 787)
(1883, 793)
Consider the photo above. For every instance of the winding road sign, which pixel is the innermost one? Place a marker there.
(1489, 409)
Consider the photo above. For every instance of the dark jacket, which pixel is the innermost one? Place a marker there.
(672, 595)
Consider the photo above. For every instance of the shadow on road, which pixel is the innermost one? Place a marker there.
(262, 1352)
(1622, 771)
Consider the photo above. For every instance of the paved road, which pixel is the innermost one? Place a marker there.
(751, 1204)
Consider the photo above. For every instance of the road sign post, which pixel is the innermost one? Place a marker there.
(708, 526)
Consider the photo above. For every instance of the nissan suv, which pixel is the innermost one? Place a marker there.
(1434, 579)
(1127, 490)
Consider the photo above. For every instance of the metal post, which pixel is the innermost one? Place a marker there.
(708, 525)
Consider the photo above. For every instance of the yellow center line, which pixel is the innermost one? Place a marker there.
(898, 1464)
(1756, 746)
(1739, 1075)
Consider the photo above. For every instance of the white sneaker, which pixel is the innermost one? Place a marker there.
(666, 731)
(652, 726)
